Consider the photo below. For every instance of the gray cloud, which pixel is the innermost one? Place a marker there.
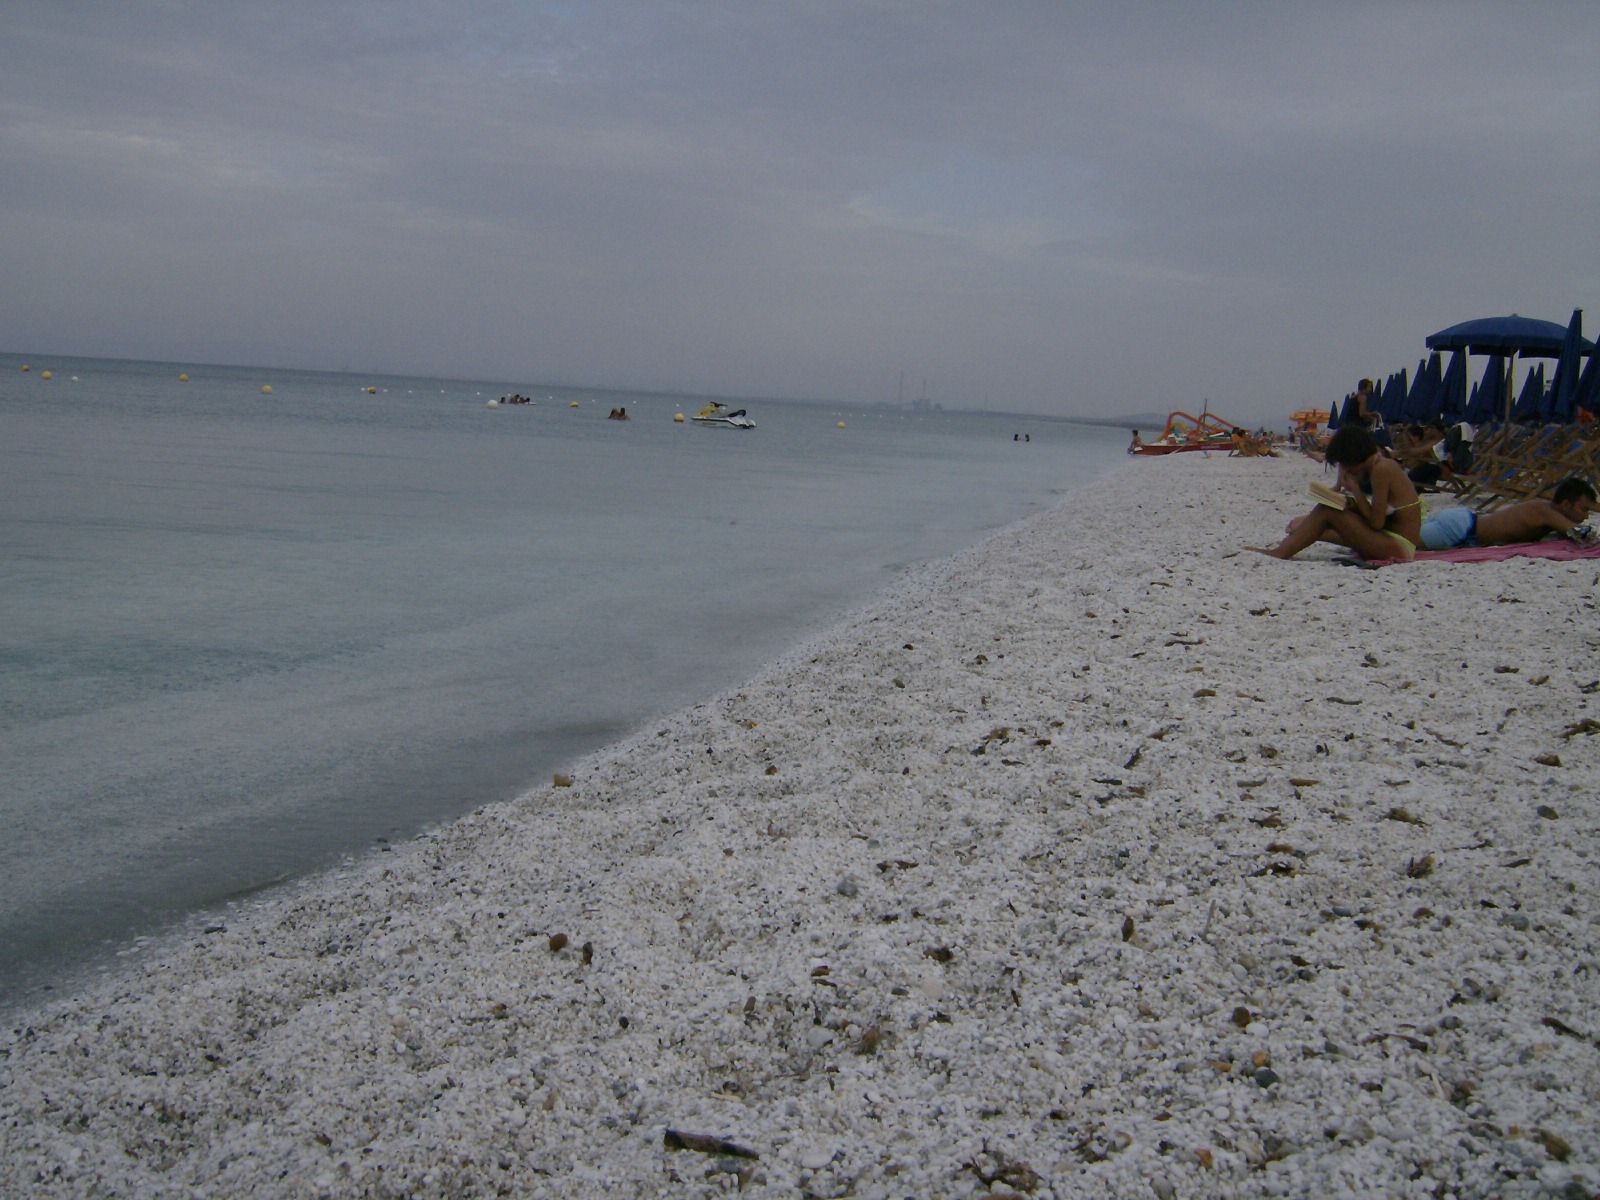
(1077, 209)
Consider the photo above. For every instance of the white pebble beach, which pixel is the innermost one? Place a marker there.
(1097, 860)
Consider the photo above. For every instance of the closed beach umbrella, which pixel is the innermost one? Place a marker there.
(1564, 387)
(1420, 404)
(1489, 399)
(1403, 404)
(1451, 401)
(1588, 394)
(1394, 394)
(1530, 403)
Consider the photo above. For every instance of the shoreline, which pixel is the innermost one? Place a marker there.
(1096, 859)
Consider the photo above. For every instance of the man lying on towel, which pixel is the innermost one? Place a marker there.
(1528, 521)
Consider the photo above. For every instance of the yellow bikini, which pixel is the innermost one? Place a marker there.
(1407, 549)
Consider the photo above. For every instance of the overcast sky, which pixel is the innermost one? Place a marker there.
(1076, 209)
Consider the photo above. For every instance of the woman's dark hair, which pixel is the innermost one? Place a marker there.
(1350, 447)
(1571, 489)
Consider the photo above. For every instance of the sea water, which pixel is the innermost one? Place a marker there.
(245, 633)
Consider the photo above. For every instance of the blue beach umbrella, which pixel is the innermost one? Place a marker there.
(1451, 400)
(1515, 334)
(1394, 394)
(1420, 403)
(1530, 402)
(1489, 399)
(1564, 387)
(1403, 404)
(1380, 397)
(1588, 395)
(1342, 414)
(1510, 336)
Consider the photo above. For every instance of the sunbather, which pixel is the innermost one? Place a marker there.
(1527, 521)
(1386, 525)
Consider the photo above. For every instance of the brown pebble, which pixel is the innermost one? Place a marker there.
(1548, 813)
(1420, 868)
(1242, 1016)
(772, 770)
(562, 780)
(558, 943)
(1204, 1156)
(1127, 929)
(1548, 760)
(1555, 1145)
(1261, 1059)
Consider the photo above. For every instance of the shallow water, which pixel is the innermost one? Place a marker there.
(243, 635)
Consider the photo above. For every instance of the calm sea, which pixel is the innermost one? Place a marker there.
(243, 634)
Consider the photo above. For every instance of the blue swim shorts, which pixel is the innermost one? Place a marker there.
(1449, 528)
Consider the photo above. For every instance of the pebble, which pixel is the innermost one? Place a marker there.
(815, 1158)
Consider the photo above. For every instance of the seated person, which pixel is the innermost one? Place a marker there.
(1422, 453)
(1458, 448)
(1527, 521)
(1386, 525)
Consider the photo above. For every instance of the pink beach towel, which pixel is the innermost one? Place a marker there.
(1555, 548)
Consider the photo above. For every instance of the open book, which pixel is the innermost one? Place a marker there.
(1323, 494)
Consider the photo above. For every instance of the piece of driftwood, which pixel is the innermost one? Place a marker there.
(705, 1143)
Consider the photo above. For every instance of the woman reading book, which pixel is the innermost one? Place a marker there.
(1381, 516)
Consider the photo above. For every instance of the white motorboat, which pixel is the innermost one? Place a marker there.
(712, 414)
